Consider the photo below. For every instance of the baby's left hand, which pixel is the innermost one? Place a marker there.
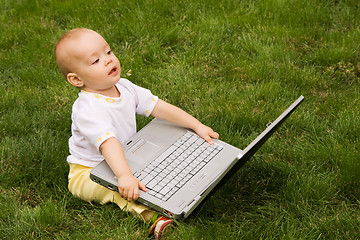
(206, 133)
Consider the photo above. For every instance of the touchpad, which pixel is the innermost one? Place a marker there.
(145, 149)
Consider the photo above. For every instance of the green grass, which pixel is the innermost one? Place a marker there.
(235, 65)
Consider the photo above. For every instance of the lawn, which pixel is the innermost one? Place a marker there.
(233, 64)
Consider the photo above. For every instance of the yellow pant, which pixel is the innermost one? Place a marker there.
(83, 187)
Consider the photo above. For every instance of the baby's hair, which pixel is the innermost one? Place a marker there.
(60, 61)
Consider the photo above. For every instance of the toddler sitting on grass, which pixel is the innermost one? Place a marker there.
(103, 118)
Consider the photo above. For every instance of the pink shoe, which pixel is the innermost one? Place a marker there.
(160, 226)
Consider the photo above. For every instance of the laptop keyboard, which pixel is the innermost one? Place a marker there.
(177, 165)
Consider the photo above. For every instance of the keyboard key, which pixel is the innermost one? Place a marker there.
(159, 196)
(147, 179)
(165, 190)
(151, 184)
(157, 188)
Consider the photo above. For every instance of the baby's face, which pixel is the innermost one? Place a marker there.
(93, 62)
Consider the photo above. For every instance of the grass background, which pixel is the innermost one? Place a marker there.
(235, 65)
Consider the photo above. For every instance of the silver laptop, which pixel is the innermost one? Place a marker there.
(178, 168)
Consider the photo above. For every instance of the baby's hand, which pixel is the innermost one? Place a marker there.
(129, 187)
(206, 133)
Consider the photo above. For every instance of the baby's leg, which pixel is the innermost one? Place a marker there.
(83, 187)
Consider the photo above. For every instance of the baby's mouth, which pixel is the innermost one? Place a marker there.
(112, 71)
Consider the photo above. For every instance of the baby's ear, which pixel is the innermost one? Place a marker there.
(74, 80)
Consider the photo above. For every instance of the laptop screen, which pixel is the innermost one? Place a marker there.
(250, 150)
(263, 137)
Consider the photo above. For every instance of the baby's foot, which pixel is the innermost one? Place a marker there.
(160, 226)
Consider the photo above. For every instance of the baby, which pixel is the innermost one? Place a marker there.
(103, 118)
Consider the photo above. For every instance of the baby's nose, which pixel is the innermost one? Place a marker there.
(108, 61)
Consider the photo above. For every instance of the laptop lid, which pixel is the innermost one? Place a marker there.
(251, 149)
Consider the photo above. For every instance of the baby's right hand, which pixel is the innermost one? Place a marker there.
(128, 186)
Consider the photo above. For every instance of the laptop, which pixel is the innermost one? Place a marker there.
(179, 169)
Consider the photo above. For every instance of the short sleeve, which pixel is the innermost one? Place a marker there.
(145, 101)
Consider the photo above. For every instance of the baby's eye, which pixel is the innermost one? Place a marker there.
(109, 52)
(96, 61)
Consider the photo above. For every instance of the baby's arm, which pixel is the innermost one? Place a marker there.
(176, 115)
(114, 155)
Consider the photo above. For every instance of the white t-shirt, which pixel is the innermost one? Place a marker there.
(96, 117)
